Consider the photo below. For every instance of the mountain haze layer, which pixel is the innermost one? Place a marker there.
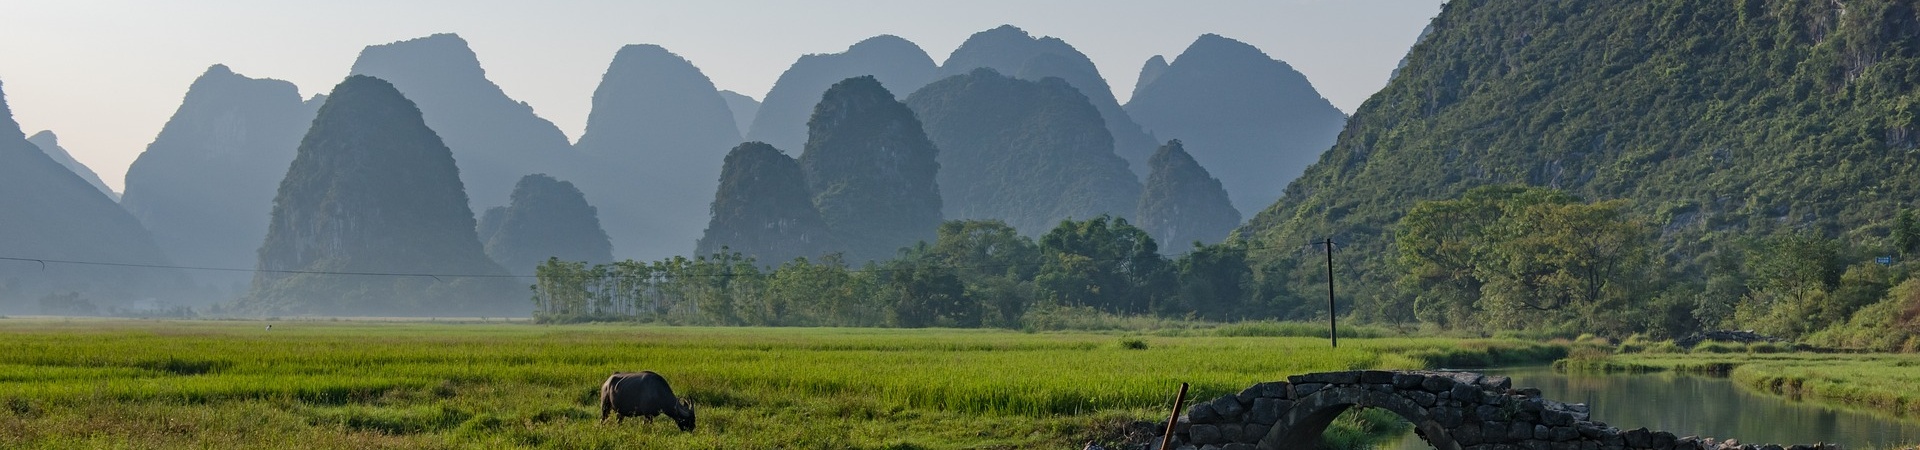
(1183, 203)
(652, 151)
(743, 109)
(897, 63)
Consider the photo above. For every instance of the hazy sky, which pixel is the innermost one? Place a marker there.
(106, 75)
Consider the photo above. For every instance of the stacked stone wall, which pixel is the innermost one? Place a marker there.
(1451, 410)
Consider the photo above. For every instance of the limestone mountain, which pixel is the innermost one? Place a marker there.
(763, 210)
(55, 215)
(1029, 153)
(1183, 203)
(871, 170)
(372, 190)
(546, 218)
(50, 143)
(897, 63)
(1718, 122)
(1250, 119)
(652, 149)
(743, 109)
(205, 185)
(496, 139)
(1149, 72)
(1010, 50)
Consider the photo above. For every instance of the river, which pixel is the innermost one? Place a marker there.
(1688, 405)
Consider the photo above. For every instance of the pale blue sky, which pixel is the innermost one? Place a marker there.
(106, 75)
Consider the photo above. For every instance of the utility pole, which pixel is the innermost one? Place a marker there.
(1333, 326)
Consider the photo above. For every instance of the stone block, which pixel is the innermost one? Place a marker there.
(1556, 418)
(1277, 389)
(1203, 414)
(1267, 411)
(1230, 432)
(1376, 377)
(1229, 407)
(1496, 383)
(1437, 384)
(1639, 438)
(1489, 413)
(1404, 380)
(1562, 434)
(1568, 445)
(1771, 447)
(1664, 441)
(1423, 398)
(1466, 393)
(1447, 416)
(1205, 434)
(1238, 446)
(1301, 391)
(1542, 432)
(1252, 433)
(1247, 395)
(1181, 426)
(1467, 434)
(1520, 431)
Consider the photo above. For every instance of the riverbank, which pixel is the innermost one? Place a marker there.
(1880, 382)
(235, 384)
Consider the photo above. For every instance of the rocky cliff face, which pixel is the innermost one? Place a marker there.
(1010, 50)
(205, 186)
(54, 215)
(871, 170)
(763, 209)
(547, 218)
(652, 151)
(1024, 152)
(1149, 72)
(496, 138)
(1253, 121)
(1183, 204)
(50, 143)
(897, 63)
(373, 191)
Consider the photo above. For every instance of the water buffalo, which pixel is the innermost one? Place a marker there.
(643, 394)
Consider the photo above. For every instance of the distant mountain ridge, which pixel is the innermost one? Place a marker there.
(205, 186)
(651, 154)
(1011, 51)
(50, 143)
(871, 170)
(497, 139)
(896, 63)
(1251, 120)
(52, 214)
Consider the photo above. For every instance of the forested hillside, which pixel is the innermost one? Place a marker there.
(1731, 130)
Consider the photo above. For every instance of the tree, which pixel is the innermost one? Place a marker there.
(1214, 281)
(1103, 263)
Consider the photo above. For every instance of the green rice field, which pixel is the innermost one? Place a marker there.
(326, 384)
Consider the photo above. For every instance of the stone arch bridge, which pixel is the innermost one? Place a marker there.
(1450, 410)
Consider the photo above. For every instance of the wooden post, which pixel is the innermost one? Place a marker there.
(1167, 439)
(1333, 328)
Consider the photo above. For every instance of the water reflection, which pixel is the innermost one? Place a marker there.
(1706, 406)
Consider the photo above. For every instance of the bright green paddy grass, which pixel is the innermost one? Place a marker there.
(228, 384)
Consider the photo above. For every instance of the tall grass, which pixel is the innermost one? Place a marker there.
(413, 385)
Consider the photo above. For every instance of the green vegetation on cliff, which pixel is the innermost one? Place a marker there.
(1726, 127)
(871, 170)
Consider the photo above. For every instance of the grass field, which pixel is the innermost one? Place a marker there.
(1879, 382)
(234, 384)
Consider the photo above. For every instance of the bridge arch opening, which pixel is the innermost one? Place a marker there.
(1307, 420)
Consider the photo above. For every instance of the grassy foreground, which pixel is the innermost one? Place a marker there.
(224, 384)
(1880, 382)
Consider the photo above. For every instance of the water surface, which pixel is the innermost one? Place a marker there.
(1688, 405)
